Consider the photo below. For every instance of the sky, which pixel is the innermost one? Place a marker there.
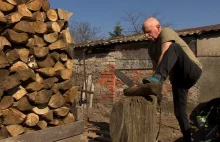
(105, 14)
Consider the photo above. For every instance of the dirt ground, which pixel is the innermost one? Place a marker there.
(99, 120)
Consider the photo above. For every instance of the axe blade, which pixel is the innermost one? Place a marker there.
(125, 79)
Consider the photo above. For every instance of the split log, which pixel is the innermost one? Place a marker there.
(13, 17)
(55, 88)
(2, 18)
(3, 60)
(48, 83)
(69, 119)
(65, 34)
(69, 64)
(12, 56)
(65, 85)
(48, 116)
(39, 78)
(32, 119)
(34, 5)
(23, 10)
(51, 37)
(59, 66)
(17, 92)
(23, 104)
(17, 37)
(41, 109)
(56, 101)
(23, 54)
(5, 6)
(133, 119)
(52, 15)
(64, 74)
(11, 118)
(6, 102)
(61, 23)
(35, 42)
(63, 14)
(56, 122)
(39, 16)
(3, 132)
(26, 74)
(11, 81)
(43, 96)
(23, 116)
(59, 44)
(24, 26)
(4, 42)
(45, 62)
(12, 2)
(53, 27)
(32, 96)
(41, 51)
(55, 56)
(15, 130)
(48, 71)
(63, 57)
(45, 5)
(18, 66)
(21, 1)
(34, 86)
(4, 73)
(42, 124)
(71, 94)
(63, 111)
(39, 27)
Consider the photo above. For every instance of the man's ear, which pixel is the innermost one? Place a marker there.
(158, 26)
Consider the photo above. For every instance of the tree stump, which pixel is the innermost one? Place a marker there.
(133, 119)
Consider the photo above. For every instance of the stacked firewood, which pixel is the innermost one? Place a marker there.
(36, 88)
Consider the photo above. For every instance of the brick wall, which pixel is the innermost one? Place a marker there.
(133, 60)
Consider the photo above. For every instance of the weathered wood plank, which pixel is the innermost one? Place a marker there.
(50, 134)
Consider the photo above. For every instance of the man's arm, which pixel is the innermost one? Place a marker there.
(164, 48)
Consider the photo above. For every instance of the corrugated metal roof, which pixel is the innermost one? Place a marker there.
(141, 37)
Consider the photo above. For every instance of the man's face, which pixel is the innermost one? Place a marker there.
(151, 32)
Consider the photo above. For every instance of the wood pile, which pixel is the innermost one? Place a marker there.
(36, 88)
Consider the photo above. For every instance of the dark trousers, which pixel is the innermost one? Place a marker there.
(184, 74)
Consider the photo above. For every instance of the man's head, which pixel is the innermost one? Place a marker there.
(151, 28)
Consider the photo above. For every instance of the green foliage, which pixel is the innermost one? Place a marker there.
(117, 31)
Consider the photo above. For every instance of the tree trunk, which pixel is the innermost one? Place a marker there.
(4, 42)
(133, 119)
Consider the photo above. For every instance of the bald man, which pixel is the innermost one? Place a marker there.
(171, 55)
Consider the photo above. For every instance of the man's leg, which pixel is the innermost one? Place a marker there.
(180, 105)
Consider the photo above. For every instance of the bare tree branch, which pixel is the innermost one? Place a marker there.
(136, 19)
(84, 32)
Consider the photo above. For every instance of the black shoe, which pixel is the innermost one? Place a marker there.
(187, 136)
